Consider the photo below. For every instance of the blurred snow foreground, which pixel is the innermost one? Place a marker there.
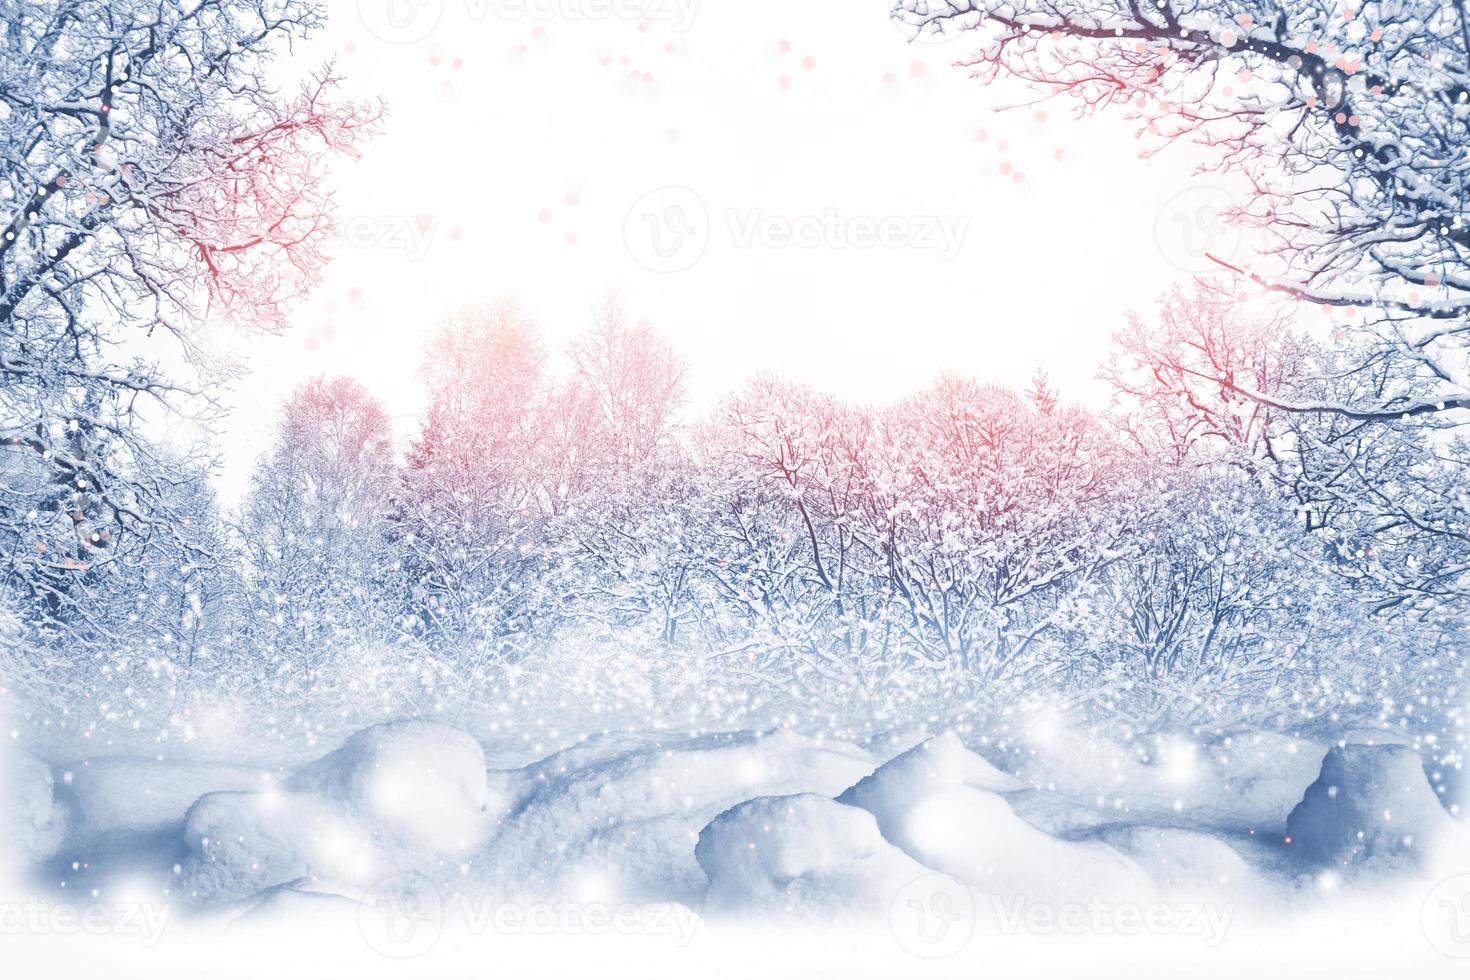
(774, 827)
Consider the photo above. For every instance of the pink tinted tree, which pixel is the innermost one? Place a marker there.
(471, 510)
(989, 513)
(636, 382)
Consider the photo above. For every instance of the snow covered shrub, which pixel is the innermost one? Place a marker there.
(1349, 517)
(140, 607)
(320, 570)
(784, 595)
(630, 555)
(838, 552)
(1212, 614)
(1379, 488)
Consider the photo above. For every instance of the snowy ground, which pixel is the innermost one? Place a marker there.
(634, 852)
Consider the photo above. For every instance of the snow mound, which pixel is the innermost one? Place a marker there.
(243, 843)
(32, 822)
(941, 761)
(120, 795)
(886, 746)
(399, 796)
(803, 857)
(927, 803)
(616, 818)
(1371, 806)
(419, 782)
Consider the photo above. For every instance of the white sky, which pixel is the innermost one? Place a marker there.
(496, 118)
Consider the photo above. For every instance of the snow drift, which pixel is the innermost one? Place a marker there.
(801, 858)
(615, 817)
(939, 803)
(620, 815)
(1371, 808)
(775, 826)
(116, 799)
(32, 822)
(395, 797)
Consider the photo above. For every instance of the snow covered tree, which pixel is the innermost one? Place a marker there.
(615, 418)
(1345, 119)
(1215, 607)
(1344, 123)
(315, 530)
(619, 485)
(989, 512)
(789, 588)
(137, 617)
(471, 519)
(632, 552)
(151, 175)
(1385, 496)
(636, 382)
(1041, 393)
